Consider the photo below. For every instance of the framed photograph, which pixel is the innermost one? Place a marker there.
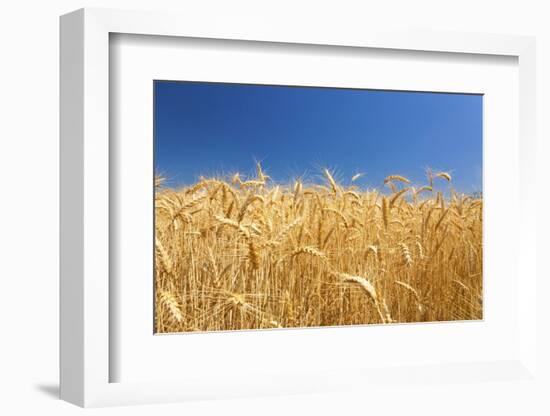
(267, 211)
(297, 244)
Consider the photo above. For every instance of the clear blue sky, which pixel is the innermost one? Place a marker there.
(216, 128)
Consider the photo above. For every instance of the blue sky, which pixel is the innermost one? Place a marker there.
(216, 129)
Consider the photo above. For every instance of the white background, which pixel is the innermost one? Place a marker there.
(29, 208)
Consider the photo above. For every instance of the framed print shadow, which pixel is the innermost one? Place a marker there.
(233, 188)
(289, 206)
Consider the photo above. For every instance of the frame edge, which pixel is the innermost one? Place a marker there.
(71, 202)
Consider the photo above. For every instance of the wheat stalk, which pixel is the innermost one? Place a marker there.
(171, 304)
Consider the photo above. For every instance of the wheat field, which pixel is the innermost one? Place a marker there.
(244, 253)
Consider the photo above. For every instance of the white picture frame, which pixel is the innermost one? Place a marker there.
(85, 353)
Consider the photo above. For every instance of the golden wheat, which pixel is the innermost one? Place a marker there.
(245, 253)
